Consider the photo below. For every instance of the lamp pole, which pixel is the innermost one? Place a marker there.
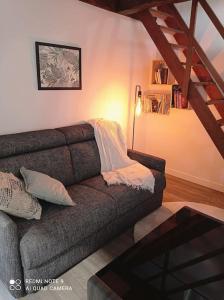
(138, 95)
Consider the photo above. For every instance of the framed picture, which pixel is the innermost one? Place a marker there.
(58, 67)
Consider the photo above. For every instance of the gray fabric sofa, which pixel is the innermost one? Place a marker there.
(44, 249)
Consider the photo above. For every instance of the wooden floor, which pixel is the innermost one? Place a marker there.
(181, 190)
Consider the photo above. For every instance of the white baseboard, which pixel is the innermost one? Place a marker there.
(202, 181)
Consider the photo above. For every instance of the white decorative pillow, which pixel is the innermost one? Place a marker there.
(15, 201)
(45, 187)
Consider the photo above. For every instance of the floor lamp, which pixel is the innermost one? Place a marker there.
(137, 110)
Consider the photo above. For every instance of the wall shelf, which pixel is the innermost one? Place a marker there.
(160, 97)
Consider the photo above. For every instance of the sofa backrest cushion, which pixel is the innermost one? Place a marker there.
(20, 143)
(84, 151)
(68, 154)
(85, 160)
(43, 151)
(77, 133)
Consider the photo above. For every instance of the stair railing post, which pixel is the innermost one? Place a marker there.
(190, 50)
(211, 14)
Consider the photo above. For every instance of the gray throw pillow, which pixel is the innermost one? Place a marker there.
(45, 187)
(14, 200)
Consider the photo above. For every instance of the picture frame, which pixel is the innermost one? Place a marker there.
(58, 67)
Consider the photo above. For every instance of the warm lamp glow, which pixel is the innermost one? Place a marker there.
(112, 103)
(138, 109)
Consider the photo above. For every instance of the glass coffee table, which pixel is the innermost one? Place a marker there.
(182, 259)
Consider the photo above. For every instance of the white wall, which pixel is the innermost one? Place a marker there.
(180, 138)
(115, 57)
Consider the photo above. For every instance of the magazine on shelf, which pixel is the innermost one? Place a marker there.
(157, 103)
(161, 75)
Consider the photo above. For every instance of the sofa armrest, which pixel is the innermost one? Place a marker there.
(10, 261)
(147, 160)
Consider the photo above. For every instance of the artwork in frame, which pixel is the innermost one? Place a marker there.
(58, 67)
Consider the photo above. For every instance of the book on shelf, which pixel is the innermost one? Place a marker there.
(178, 100)
(161, 75)
(160, 72)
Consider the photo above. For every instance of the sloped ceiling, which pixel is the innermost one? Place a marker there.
(119, 5)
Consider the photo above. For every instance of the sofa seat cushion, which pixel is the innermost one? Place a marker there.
(126, 197)
(61, 228)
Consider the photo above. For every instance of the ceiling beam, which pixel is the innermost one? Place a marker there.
(106, 4)
(148, 4)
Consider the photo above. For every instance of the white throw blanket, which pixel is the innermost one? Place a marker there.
(116, 166)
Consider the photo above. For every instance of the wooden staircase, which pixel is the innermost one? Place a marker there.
(208, 78)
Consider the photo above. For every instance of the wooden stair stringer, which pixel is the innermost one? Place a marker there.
(201, 72)
(196, 100)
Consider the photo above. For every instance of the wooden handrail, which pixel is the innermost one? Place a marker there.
(212, 17)
(190, 50)
(212, 71)
(192, 44)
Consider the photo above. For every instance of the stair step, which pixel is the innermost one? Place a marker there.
(210, 102)
(171, 30)
(160, 14)
(220, 122)
(202, 83)
(178, 47)
(193, 65)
